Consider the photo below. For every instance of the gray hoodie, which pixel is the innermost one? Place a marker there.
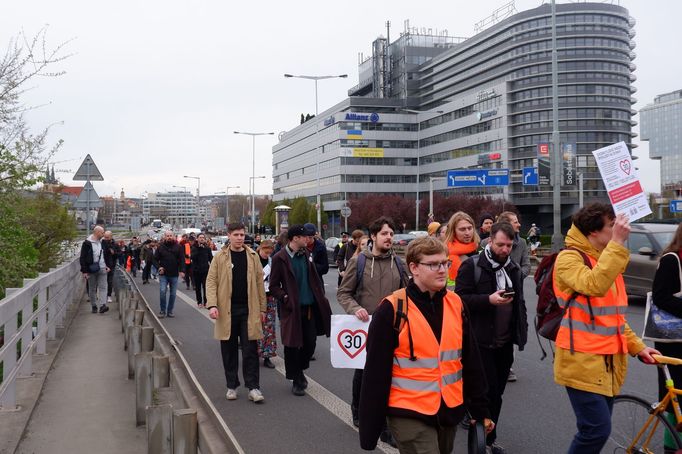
(381, 277)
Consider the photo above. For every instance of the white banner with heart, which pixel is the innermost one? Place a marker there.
(348, 341)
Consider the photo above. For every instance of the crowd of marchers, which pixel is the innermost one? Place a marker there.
(445, 321)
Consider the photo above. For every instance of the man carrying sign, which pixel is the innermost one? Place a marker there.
(422, 366)
(370, 276)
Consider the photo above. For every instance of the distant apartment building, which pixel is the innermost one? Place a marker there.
(427, 103)
(661, 125)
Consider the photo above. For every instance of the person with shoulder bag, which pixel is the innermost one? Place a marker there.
(667, 297)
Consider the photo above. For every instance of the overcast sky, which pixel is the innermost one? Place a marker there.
(155, 89)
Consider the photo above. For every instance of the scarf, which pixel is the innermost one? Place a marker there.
(455, 251)
(501, 276)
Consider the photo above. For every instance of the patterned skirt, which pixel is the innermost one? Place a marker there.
(267, 346)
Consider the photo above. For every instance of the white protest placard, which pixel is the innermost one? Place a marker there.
(622, 181)
(348, 342)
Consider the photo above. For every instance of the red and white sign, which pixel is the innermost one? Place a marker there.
(621, 181)
(348, 342)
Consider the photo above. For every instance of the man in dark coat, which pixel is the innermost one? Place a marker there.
(304, 311)
(318, 250)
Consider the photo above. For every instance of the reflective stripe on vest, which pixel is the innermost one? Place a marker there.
(596, 328)
(437, 371)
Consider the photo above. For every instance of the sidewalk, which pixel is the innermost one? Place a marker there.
(87, 403)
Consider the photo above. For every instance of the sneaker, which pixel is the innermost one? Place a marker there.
(103, 309)
(495, 448)
(109, 299)
(170, 315)
(232, 394)
(512, 376)
(94, 309)
(162, 314)
(256, 396)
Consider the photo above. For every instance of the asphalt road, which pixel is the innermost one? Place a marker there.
(536, 415)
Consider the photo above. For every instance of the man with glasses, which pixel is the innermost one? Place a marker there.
(382, 273)
(422, 362)
(491, 287)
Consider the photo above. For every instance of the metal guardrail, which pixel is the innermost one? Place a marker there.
(30, 316)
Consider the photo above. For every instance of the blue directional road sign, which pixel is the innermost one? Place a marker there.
(676, 206)
(478, 177)
(530, 176)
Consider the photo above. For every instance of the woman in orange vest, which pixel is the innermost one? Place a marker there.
(594, 339)
(462, 241)
(416, 370)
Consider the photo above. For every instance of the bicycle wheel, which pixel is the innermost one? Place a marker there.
(630, 413)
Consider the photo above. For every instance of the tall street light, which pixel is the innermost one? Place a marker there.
(317, 130)
(417, 113)
(198, 190)
(253, 159)
(252, 184)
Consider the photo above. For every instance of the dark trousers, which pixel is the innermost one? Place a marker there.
(357, 385)
(110, 282)
(200, 284)
(147, 271)
(496, 363)
(296, 359)
(230, 353)
(188, 274)
(593, 418)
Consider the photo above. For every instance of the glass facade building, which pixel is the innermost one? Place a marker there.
(428, 104)
(661, 125)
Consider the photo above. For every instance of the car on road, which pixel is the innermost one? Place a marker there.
(331, 243)
(646, 242)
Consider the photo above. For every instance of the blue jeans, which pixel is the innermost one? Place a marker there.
(172, 283)
(593, 414)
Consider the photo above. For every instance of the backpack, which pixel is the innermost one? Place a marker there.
(362, 260)
(549, 312)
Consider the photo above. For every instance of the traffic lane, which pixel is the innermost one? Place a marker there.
(266, 427)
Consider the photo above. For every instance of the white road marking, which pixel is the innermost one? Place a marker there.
(330, 401)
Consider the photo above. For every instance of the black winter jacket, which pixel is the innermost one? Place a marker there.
(475, 296)
(171, 258)
(201, 258)
(86, 258)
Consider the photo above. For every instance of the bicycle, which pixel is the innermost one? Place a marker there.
(640, 427)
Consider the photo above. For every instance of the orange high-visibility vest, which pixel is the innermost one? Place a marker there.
(436, 371)
(187, 254)
(599, 331)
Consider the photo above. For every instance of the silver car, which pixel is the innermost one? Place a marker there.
(646, 241)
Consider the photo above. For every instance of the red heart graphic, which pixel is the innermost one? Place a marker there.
(352, 337)
(625, 166)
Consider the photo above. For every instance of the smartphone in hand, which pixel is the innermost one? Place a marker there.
(509, 294)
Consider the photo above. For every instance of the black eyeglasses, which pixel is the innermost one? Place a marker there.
(438, 265)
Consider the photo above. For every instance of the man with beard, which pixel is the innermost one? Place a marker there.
(169, 260)
(381, 273)
(490, 286)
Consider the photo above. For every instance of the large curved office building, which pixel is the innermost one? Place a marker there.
(429, 103)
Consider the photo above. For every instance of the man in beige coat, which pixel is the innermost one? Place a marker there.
(236, 301)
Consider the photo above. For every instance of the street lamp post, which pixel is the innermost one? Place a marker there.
(252, 184)
(317, 130)
(253, 160)
(198, 218)
(417, 113)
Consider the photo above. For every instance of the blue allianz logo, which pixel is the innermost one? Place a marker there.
(374, 117)
(351, 116)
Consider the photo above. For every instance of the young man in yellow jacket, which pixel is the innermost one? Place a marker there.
(592, 345)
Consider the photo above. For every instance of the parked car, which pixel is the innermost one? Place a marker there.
(646, 241)
(403, 239)
(419, 233)
(331, 243)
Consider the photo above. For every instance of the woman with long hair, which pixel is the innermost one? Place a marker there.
(667, 295)
(462, 241)
(267, 346)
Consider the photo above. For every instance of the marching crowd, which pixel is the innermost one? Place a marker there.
(445, 321)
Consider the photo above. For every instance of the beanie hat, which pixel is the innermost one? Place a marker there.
(433, 228)
(485, 216)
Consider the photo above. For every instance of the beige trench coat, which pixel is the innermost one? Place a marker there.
(219, 293)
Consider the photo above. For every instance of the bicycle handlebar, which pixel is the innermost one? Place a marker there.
(667, 360)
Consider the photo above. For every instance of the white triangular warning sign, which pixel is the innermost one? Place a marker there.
(88, 171)
(88, 198)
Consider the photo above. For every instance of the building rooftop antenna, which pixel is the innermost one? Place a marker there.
(499, 14)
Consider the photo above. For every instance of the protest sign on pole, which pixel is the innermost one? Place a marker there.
(348, 342)
(621, 181)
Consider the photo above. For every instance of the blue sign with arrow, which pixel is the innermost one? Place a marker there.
(478, 177)
(676, 206)
(530, 176)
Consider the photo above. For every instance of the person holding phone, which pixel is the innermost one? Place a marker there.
(490, 285)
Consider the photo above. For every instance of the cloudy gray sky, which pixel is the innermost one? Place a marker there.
(155, 89)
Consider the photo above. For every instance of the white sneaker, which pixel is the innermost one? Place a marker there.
(109, 299)
(256, 396)
(231, 394)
